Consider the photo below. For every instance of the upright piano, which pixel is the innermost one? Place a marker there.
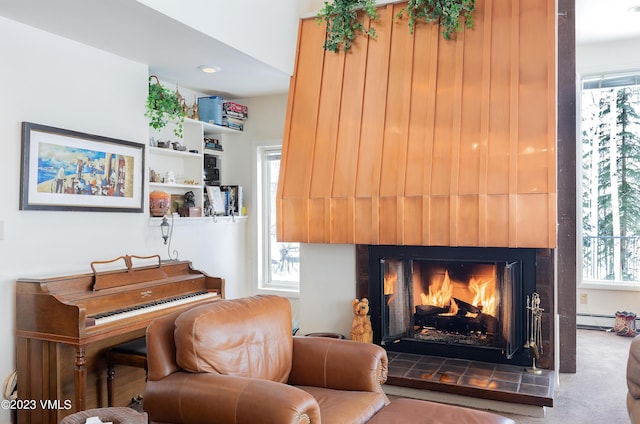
(64, 325)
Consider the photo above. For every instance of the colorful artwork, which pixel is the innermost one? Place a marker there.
(64, 169)
(74, 171)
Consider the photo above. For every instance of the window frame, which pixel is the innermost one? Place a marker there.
(608, 79)
(265, 281)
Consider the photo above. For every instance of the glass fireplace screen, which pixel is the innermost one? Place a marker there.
(461, 303)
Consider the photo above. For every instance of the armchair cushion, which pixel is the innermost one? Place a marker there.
(249, 337)
(338, 364)
(207, 398)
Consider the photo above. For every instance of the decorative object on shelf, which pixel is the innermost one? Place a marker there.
(163, 144)
(158, 202)
(179, 146)
(216, 202)
(625, 324)
(195, 114)
(343, 23)
(534, 331)
(447, 13)
(189, 208)
(69, 170)
(210, 109)
(212, 143)
(167, 235)
(169, 177)
(163, 105)
(182, 101)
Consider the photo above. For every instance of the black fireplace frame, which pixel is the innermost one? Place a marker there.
(377, 253)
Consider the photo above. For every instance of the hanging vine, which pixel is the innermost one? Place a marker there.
(447, 13)
(163, 105)
(343, 23)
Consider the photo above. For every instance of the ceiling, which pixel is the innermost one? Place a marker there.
(606, 20)
(173, 50)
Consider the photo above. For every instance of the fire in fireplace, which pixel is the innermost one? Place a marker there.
(455, 302)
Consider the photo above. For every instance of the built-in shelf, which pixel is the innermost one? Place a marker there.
(170, 152)
(155, 221)
(174, 185)
(213, 128)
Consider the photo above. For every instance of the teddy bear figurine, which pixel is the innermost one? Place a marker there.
(361, 324)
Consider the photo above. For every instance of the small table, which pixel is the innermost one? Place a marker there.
(116, 415)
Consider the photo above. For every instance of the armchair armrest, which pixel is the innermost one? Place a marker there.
(204, 398)
(338, 364)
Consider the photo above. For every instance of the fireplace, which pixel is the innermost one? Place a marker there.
(456, 302)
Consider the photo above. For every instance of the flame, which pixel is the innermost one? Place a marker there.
(485, 295)
(481, 292)
(390, 281)
(440, 292)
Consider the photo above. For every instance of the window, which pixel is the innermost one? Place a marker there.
(611, 179)
(280, 262)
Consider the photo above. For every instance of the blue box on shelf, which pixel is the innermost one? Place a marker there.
(210, 109)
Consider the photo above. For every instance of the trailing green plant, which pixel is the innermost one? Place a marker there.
(343, 23)
(445, 12)
(163, 105)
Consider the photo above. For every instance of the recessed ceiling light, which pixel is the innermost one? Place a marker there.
(209, 69)
(634, 9)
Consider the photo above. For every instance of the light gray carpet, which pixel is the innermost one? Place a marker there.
(596, 393)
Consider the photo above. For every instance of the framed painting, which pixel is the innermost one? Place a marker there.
(70, 170)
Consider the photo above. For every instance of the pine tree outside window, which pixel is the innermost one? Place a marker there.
(611, 179)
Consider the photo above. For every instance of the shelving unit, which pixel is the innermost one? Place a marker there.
(186, 166)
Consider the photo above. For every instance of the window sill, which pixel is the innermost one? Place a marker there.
(285, 292)
(610, 285)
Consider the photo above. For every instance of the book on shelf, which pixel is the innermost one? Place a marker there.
(216, 200)
(233, 198)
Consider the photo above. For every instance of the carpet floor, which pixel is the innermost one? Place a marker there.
(596, 393)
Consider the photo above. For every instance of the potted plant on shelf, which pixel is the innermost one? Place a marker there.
(445, 12)
(164, 105)
(343, 23)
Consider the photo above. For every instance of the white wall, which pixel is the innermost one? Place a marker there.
(54, 81)
(593, 59)
(266, 30)
(327, 272)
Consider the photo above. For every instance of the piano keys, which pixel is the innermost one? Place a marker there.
(65, 324)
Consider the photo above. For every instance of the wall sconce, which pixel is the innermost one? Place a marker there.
(164, 227)
(167, 232)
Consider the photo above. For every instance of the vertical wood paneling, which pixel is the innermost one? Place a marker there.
(413, 139)
(295, 166)
(344, 171)
(499, 98)
(533, 126)
(372, 128)
(394, 147)
(420, 137)
(324, 155)
(484, 21)
(514, 118)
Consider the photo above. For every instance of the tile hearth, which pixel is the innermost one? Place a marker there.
(506, 383)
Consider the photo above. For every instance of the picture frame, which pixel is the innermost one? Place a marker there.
(67, 170)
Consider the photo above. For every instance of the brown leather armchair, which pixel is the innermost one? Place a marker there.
(633, 381)
(236, 361)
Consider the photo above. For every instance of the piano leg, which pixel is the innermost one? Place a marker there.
(80, 375)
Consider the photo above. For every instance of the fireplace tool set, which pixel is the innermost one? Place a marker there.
(534, 331)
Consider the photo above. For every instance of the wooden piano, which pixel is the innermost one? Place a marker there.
(65, 324)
